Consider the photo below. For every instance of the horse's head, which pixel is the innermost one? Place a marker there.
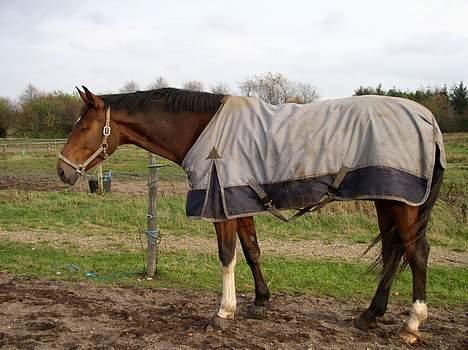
(93, 138)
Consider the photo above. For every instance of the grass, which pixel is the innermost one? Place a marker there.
(182, 270)
(121, 214)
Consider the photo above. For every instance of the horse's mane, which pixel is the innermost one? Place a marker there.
(171, 99)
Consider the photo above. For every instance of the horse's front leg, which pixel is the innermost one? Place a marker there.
(248, 238)
(226, 234)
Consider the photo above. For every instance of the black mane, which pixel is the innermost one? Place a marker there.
(171, 99)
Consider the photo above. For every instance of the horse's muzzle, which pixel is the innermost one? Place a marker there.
(66, 173)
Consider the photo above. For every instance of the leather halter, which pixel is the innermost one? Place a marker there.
(81, 168)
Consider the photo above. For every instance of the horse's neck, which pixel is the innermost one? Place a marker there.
(170, 135)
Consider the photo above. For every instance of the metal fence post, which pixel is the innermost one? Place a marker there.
(152, 233)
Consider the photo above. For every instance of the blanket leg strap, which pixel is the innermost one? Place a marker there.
(327, 197)
(265, 198)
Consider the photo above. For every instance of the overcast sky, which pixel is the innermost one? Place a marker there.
(334, 45)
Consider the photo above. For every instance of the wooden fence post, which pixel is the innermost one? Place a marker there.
(100, 179)
(152, 233)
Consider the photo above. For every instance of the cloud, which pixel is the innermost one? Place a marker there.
(97, 18)
(439, 43)
(335, 46)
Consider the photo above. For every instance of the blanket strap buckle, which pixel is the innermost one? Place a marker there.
(326, 198)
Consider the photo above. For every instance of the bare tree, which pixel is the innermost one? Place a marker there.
(130, 86)
(270, 87)
(220, 88)
(159, 83)
(30, 93)
(275, 88)
(305, 93)
(193, 85)
(248, 87)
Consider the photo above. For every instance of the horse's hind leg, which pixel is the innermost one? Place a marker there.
(226, 234)
(408, 238)
(248, 239)
(413, 235)
(392, 252)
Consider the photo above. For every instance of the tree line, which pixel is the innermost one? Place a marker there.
(40, 114)
(449, 106)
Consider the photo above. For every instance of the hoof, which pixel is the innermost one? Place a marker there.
(219, 324)
(256, 311)
(363, 323)
(409, 336)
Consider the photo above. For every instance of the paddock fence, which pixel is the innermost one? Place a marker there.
(24, 146)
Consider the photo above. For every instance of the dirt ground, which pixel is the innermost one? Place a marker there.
(50, 183)
(33, 183)
(42, 314)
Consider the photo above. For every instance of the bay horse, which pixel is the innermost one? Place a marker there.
(168, 122)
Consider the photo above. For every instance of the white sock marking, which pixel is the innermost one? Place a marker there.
(417, 316)
(228, 300)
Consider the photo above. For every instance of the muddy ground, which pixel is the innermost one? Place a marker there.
(42, 314)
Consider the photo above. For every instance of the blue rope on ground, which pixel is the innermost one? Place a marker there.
(95, 275)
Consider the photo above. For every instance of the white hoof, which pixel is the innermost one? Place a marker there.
(409, 336)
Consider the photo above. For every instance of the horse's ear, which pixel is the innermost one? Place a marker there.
(93, 100)
(83, 95)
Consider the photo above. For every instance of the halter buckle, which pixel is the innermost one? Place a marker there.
(106, 130)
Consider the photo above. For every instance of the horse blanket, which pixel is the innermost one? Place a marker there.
(382, 148)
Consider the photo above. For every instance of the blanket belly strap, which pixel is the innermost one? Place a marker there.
(326, 198)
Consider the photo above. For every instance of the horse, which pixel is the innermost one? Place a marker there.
(169, 121)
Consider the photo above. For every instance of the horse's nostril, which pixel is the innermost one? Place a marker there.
(61, 172)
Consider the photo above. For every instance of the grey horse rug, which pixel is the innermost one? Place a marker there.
(253, 156)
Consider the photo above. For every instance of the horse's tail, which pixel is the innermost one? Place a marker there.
(397, 254)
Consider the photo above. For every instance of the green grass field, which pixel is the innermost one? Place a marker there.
(123, 215)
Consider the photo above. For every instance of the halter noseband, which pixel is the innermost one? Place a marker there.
(80, 168)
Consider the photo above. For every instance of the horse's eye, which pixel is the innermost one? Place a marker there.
(84, 128)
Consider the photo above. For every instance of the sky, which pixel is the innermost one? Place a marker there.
(335, 46)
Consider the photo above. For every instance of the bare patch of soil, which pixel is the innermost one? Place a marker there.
(42, 314)
(32, 183)
(48, 183)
